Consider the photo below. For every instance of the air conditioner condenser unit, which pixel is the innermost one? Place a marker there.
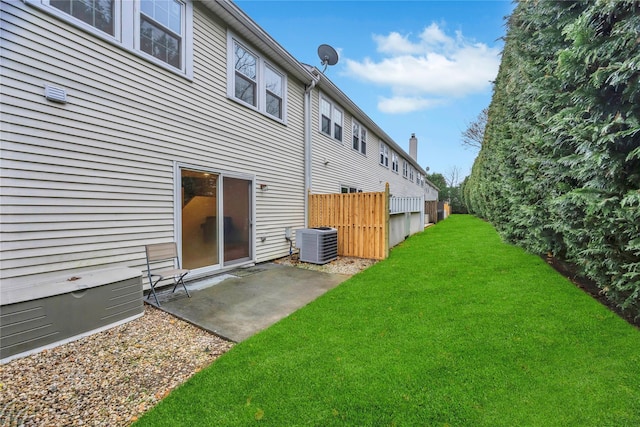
(317, 245)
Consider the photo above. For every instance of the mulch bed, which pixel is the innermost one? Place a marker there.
(570, 271)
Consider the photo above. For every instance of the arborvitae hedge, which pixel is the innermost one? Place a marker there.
(559, 170)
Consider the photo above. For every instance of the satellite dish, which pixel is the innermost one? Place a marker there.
(328, 55)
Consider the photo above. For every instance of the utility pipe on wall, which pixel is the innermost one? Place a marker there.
(307, 144)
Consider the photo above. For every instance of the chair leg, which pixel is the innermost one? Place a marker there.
(180, 281)
(153, 292)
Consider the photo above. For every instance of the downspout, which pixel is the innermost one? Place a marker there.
(307, 144)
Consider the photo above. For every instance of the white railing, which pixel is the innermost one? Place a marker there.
(406, 204)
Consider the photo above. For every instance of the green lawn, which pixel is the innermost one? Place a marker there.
(454, 328)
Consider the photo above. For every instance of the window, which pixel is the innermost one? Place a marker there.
(99, 14)
(405, 169)
(330, 119)
(274, 89)
(411, 172)
(161, 30)
(356, 136)
(158, 30)
(359, 138)
(246, 76)
(384, 155)
(394, 162)
(255, 82)
(344, 189)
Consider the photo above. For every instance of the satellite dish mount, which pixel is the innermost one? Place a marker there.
(328, 56)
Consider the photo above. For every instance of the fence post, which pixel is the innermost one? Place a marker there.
(309, 207)
(386, 220)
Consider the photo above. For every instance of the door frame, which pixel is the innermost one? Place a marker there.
(177, 215)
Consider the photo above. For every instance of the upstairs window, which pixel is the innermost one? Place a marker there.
(384, 155)
(246, 75)
(99, 14)
(330, 119)
(359, 138)
(160, 31)
(405, 169)
(274, 91)
(411, 172)
(394, 162)
(255, 82)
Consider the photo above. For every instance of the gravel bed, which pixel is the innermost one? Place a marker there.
(342, 265)
(113, 377)
(106, 379)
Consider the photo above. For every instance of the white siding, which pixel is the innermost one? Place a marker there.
(88, 183)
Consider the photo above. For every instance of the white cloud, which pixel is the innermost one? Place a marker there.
(434, 65)
(401, 105)
(395, 43)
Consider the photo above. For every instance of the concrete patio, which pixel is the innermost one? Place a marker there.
(237, 304)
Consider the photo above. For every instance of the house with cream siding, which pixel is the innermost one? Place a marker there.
(351, 153)
(148, 142)
(128, 123)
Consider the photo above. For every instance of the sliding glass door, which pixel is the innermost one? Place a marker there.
(237, 219)
(199, 219)
(215, 220)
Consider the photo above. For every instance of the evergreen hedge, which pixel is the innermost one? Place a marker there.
(559, 169)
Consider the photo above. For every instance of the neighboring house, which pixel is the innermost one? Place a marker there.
(350, 153)
(129, 123)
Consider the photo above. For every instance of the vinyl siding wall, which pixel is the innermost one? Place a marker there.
(86, 184)
(349, 167)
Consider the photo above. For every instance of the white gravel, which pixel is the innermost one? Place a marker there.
(106, 379)
(112, 377)
(342, 265)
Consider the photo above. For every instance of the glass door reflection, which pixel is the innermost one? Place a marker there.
(199, 219)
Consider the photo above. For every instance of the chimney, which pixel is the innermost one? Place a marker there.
(413, 147)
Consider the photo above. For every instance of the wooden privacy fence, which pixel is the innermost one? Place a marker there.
(431, 209)
(362, 221)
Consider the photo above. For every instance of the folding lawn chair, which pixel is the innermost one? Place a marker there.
(164, 252)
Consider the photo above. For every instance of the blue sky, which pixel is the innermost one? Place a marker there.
(419, 66)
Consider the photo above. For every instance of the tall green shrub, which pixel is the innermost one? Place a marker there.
(559, 170)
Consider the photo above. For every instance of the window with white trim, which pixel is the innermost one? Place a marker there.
(405, 169)
(274, 86)
(245, 81)
(330, 119)
(161, 30)
(255, 82)
(345, 189)
(394, 162)
(359, 138)
(95, 13)
(384, 155)
(158, 30)
(411, 173)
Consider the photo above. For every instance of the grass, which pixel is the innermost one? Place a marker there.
(454, 328)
